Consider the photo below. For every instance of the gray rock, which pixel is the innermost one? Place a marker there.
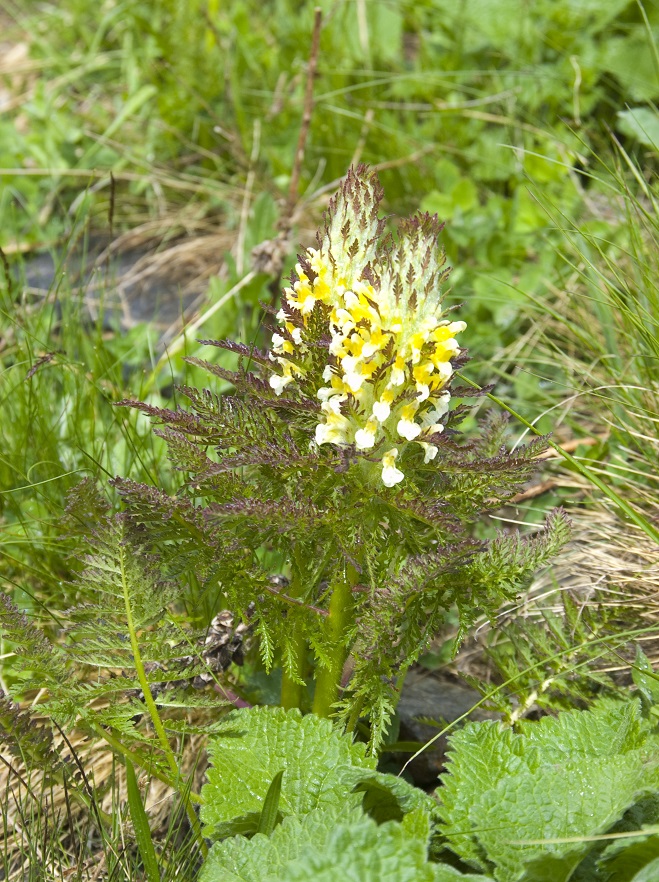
(126, 287)
(441, 697)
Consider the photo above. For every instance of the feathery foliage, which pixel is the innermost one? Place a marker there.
(117, 654)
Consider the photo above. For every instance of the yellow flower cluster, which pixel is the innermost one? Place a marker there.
(390, 349)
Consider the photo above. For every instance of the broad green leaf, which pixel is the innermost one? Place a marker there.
(329, 846)
(253, 860)
(649, 873)
(577, 16)
(645, 679)
(461, 197)
(502, 25)
(386, 29)
(366, 852)
(642, 124)
(257, 744)
(507, 798)
(386, 797)
(629, 858)
(622, 858)
(446, 873)
(632, 61)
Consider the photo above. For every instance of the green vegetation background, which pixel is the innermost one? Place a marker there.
(529, 127)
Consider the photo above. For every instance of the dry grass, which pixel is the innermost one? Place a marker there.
(610, 565)
(610, 569)
(34, 810)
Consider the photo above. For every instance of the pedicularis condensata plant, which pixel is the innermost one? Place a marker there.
(340, 468)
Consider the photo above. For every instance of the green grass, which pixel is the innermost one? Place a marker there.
(47, 835)
(530, 128)
(601, 337)
(60, 374)
(196, 108)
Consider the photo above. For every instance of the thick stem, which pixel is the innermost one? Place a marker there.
(328, 679)
(292, 683)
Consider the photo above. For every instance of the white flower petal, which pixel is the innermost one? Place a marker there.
(408, 429)
(354, 381)
(322, 432)
(445, 370)
(440, 407)
(278, 383)
(364, 439)
(457, 327)
(430, 450)
(333, 404)
(391, 476)
(381, 411)
(336, 344)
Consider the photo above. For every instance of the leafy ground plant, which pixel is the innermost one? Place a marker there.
(532, 804)
(334, 812)
(341, 468)
(290, 798)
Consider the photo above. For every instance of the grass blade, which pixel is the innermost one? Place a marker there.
(141, 826)
(270, 810)
(626, 509)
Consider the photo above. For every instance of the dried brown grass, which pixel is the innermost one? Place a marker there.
(29, 802)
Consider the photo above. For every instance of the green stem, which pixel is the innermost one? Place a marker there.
(153, 709)
(328, 679)
(292, 684)
(355, 714)
(139, 761)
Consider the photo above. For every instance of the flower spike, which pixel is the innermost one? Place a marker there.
(390, 345)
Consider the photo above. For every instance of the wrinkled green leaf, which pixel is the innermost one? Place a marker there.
(329, 845)
(261, 742)
(386, 797)
(507, 795)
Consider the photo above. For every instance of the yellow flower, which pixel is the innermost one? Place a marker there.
(390, 347)
(390, 474)
(406, 425)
